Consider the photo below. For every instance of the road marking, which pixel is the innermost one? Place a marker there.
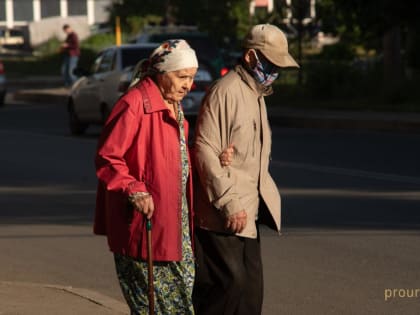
(348, 172)
(52, 133)
(45, 190)
(351, 193)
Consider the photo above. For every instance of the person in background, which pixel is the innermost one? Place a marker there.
(71, 51)
(144, 169)
(231, 200)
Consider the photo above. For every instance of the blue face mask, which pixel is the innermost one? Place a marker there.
(264, 71)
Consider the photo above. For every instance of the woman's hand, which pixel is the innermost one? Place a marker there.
(226, 156)
(144, 204)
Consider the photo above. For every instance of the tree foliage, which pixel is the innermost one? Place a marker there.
(366, 21)
(222, 19)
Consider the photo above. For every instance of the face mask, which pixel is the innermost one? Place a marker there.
(264, 71)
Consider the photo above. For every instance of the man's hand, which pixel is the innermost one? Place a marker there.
(145, 205)
(227, 155)
(236, 222)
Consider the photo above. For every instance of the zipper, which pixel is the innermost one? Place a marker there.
(180, 193)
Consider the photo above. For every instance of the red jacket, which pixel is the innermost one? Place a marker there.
(139, 151)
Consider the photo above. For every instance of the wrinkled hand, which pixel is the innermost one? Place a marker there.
(145, 205)
(227, 155)
(236, 222)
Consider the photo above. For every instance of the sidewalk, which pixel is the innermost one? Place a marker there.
(280, 116)
(18, 298)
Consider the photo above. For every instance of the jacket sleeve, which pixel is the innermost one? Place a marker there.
(117, 137)
(212, 136)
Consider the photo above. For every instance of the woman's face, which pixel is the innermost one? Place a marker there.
(175, 85)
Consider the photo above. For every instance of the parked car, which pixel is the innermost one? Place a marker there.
(11, 37)
(206, 49)
(2, 83)
(94, 94)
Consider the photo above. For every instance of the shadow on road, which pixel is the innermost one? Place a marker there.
(332, 212)
(75, 205)
(46, 205)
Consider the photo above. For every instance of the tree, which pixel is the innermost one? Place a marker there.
(135, 14)
(376, 24)
(223, 19)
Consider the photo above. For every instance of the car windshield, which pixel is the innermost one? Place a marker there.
(130, 55)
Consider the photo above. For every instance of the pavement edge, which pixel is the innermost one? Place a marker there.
(89, 295)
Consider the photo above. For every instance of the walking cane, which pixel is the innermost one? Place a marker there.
(151, 289)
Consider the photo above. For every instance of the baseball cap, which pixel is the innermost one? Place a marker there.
(272, 43)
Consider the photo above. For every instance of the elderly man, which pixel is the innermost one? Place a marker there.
(231, 200)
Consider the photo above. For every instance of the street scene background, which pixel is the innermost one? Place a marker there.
(345, 153)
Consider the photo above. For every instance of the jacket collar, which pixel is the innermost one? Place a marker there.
(260, 89)
(152, 98)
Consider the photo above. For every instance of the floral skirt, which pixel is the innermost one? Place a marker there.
(173, 282)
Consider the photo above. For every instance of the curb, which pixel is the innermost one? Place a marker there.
(94, 297)
(284, 117)
(89, 295)
(49, 96)
(396, 125)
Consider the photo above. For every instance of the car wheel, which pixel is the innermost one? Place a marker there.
(76, 126)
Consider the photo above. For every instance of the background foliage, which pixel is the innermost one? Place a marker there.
(374, 65)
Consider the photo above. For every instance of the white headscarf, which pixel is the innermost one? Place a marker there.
(173, 55)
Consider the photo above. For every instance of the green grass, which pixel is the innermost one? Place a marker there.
(49, 65)
(46, 59)
(406, 99)
(20, 67)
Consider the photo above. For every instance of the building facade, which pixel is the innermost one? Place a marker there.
(19, 13)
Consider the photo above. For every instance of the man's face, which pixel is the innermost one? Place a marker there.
(264, 71)
(175, 85)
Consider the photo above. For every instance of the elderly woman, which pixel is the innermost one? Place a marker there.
(143, 166)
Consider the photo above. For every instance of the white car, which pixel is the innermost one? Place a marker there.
(94, 94)
(2, 84)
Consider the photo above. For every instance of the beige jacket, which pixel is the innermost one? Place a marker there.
(234, 112)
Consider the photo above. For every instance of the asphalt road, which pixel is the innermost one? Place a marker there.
(351, 215)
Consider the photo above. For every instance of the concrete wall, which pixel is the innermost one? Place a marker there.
(41, 31)
(101, 13)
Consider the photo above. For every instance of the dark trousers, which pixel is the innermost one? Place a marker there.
(229, 278)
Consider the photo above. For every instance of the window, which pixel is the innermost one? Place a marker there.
(23, 11)
(101, 12)
(2, 10)
(130, 57)
(50, 8)
(107, 62)
(96, 63)
(77, 7)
